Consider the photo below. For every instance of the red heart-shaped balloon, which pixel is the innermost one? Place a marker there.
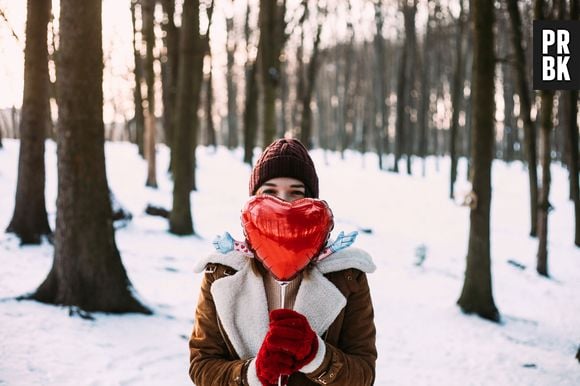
(286, 236)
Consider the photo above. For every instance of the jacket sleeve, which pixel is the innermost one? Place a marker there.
(210, 360)
(352, 362)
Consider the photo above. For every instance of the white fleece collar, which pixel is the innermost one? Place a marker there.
(241, 304)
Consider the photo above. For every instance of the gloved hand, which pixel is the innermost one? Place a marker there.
(289, 345)
(224, 244)
(343, 241)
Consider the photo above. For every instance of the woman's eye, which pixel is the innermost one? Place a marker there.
(269, 191)
(298, 193)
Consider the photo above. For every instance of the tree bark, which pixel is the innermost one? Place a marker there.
(271, 20)
(522, 88)
(546, 126)
(232, 90)
(411, 86)
(29, 221)
(169, 72)
(401, 102)
(381, 130)
(189, 79)
(456, 99)
(148, 8)
(87, 271)
(403, 84)
(210, 127)
(139, 116)
(572, 98)
(546, 123)
(251, 103)
(476, 296)
(306, 121)
(423, 113)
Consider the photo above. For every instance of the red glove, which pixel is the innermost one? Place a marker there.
(289, 345)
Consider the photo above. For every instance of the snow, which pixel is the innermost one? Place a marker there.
(423, 338)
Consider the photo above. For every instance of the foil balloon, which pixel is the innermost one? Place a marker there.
(286, 236)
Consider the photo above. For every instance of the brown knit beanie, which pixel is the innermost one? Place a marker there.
(285, 158)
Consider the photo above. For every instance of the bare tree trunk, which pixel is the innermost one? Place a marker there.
(411, 100)
(272, 24)
(300, 81)
(252, 94)
(382, 135)
(306, 121)
(546, 125)
(401, 103)
(137, 95)
(345, 100)
(87, 270)
(169, 72)
(468, 104)
(29, 221)
(456, 98)
(546, 122)
(14, 119)
(232, 90)
(522, 88)
(189, 79)
(572, 98)
(210, 127)
(509, 127)
(423, 113)
(476, 295)
(148, 8)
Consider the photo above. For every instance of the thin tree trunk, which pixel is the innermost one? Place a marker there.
(306, 121)
(546, 122)
(14, 121)
(210, 127)
(509, 127)
(522, 88)
(423, 113)
(347, 95)
(411, 100)
(251, 102)
(456, 99)
(382, 135)
(271, 20)
(251, 112)
(169, 73)
(29, 221)
(300, 81)
(232, 90)
(546, 126)
(572, 97)
(190, 67)
(401, 103)
(468, 101)
(87, 271)
(148, 8)
(139, 117)
(476, 295)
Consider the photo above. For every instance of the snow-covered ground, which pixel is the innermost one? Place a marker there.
(423, 338)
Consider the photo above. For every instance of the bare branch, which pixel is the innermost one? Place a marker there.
(9, 25)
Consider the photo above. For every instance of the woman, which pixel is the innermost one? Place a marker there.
(326, 335)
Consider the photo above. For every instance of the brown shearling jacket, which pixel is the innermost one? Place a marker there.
(350, 339)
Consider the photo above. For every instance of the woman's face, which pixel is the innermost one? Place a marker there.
(287, 189)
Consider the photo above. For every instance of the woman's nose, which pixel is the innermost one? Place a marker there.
(285, 196)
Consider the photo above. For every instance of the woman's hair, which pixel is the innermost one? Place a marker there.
(285, 158)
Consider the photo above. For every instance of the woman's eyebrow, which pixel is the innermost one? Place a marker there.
(297, 186)
(270, 184)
